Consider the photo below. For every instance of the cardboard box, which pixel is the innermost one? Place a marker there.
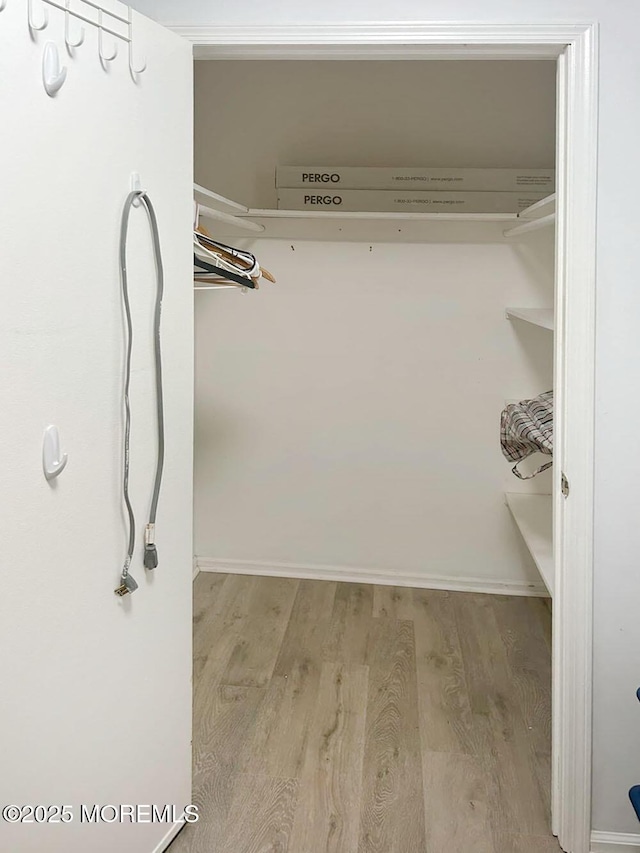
(425, 179)
(405, 202)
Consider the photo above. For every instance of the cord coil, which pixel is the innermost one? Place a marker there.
(127, 582)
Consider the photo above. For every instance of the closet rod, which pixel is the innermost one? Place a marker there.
(532, 225)
(230, 220)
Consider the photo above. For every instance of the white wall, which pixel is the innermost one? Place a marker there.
(95, 689)
(617, 533)
(484, 114)
(348, 415)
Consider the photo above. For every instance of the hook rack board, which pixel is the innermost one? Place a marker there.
(104, 20)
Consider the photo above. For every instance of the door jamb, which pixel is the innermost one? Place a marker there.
(575, 46)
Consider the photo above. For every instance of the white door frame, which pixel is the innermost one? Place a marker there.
(575, 48)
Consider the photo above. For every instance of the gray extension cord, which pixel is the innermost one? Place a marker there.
(127, 582)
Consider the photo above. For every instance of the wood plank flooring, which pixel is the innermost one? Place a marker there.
(347, 718)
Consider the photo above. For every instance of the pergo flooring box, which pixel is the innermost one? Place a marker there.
(375, 178)
(405, 202)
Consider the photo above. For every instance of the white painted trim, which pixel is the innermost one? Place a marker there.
(428, 33)
(168, 838)
(196, 568)
(380, 40)
(356, 574)
(557, 713)
(557, 779)
(574, 441)
(614, 842)
(575, 45)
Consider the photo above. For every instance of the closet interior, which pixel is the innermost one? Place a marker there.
(349, 414)
(348, 408)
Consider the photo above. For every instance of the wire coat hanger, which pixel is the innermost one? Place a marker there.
(223, 273)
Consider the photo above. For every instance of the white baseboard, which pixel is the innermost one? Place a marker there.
(311, 571)
(168, 838)
(615, 842)
(196, 568)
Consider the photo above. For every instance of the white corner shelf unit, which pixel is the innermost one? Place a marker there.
(538, 215)
(533, 515)
(542, 317)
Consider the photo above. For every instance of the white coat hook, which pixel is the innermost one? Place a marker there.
(103, 56)
(53, 74)
(67, 29)
(53, 462)
(132, 67)
(32, 24)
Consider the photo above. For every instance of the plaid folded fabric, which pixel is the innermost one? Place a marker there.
(525, 428)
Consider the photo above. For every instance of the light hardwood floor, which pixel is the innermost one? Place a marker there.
(347, 718)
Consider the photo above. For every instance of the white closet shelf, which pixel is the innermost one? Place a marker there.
(381, 215)
(536, 216)
(377, 227)
(543, 207)
(230, 219)
(533, 515)
(542, 317)
(217, 200)
(343, 225)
